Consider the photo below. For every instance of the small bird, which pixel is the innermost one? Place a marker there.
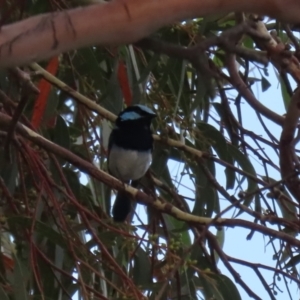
(130, 152)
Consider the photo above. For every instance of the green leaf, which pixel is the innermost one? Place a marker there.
(202, 261)
(148, 69)
(222, 148)
(52, 103)
(284, 39)
(113, 97)
(9, 170)
(220, 237)
(209, 286)
(293, 261)
(265, 84)
(246, 166)
(73, 181)
(60, 134)
(219, 59)
(248, 42)
(159, 163)
(218, 286)
(206, 199)
(43, 229)
(257, 204)
(201, 100)
(88, 62)
(284, 92)
(178, 229)
(227, 288)
(142, 268)
(187, 286)
(226, 115)
(21, 277)
(3, 295)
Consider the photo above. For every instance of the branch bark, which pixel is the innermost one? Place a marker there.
(143, 198)
(246, 93)
(289, 162)
(117, 22)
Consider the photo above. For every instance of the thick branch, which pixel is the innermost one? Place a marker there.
(282, 59)
(289, 163)
(117, 22)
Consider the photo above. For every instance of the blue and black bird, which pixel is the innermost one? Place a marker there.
(130, 152)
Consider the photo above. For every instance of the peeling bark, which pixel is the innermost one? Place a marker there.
(117, 22)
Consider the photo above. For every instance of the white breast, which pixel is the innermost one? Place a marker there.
(128, 165)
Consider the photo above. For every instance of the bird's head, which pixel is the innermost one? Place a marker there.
(136, 114)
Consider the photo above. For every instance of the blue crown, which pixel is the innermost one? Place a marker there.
(130, 115)
(136, 112)
(145, 109)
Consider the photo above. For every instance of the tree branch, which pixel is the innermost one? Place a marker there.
(288, 159)
(143, 198)
(117, 22)
(225, 261)
(246, 93)
(171, 142)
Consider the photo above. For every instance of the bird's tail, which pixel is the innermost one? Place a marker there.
(122, 207)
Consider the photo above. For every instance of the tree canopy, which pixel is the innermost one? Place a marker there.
(203, 74)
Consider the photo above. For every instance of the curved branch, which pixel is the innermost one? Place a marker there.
(171, 142)
(289, 163)
(282, 59)
(102, 111)
(143, 198)
(223, 40)
(117, 22)
(246, 93)
(212, 240)
(262, 266)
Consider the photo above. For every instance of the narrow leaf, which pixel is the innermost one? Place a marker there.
(285, 95)
(265, 84)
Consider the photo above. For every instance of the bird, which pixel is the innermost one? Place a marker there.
(130, 152)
